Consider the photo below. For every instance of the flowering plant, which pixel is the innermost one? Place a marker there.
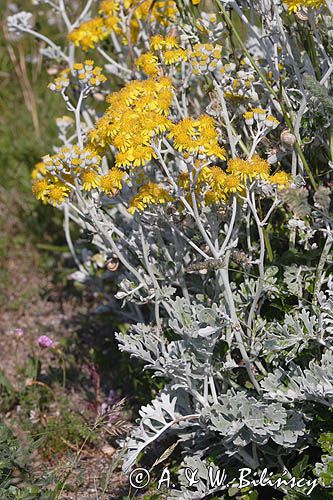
(203, 186)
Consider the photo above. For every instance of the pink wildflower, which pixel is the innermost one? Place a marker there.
(45, 342)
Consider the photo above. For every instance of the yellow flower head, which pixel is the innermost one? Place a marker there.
(171, 42)
(281, 179)
(40, 189)
(39, 170)
(221, 184)
(149, 194)
(271, 121)
(249, 118)
(214, 197)
(197, 136)
(109, 7)
(233, 184)
(148, 63)
(260, 116)
(157, 42)
(90, 179)
(205, 57)
(173, 56)
(295, 5)
(89, 33)
(249, 169)
(57, 194)
(217, 177)
(88, 74)
(55, 176)
(111, 183)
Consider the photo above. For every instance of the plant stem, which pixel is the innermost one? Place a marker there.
(261, 279)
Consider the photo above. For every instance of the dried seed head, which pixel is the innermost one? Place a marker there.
(214, 106)
(302, 15)
(112, 264)
(223, 213)
(205, 248)
(170, 210)
(202, 267)
(287, 138)
(98, 96)
(53, 70)
(240, 257)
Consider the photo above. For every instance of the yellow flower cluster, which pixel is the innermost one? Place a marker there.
(211, 182)
(149, 194)
(238, 81)
(87, 74)
(54, 178)
(260, 116)
(295, 5)
(111, 182)
(91, 32)
(205, 57)
(109, 8)
(197, 136)
(164, 48)
(148, 63)
(280, 179)
(136, 114)
(161, 11)
(61, 82)
(256, 167)
(168, 48)
(173, 56)
(48, 192)
(221, 185)
(216, 185)
(159, 42)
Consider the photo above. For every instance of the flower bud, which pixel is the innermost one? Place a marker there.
(287, 138)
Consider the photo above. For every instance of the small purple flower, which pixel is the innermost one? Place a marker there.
(113, 397)
(45, 342)
(18, 333)
(114, 416)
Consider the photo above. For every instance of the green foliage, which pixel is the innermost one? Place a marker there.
(320, 93)
(18, 480)
(24, 88)
(7, 393)
(324, 469)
